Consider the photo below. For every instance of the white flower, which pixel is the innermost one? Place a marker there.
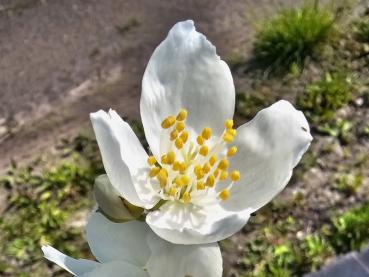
(132, 249)
(207, 175)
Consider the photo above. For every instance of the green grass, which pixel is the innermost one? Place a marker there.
(362, 30)
(292, 35)
(278, 251)
(349, 183)
(323, 98)
(350, 230)
(41, 204)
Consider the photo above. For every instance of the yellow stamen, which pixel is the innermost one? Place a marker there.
(204, 150)
(233, 132)
(224, 194)
(200, 186)
(168, 122)
(176, 165)
(151, 160)
(182, 115)
(173, 135)
(227, 137)
(162, 177)
(206, 133)
(223, 175)
(216, 172)
(235, 175)
(183, 167)
(179, 143)
(198, 171)
(154, 171)
(223, 164)
(172, 191)
(228, 124)
(189, 166)
(185, 180)
(232, 151)
(171, 156)
(210, 181)
(186, 197)
(164, 159)
(184, 136)
(178, 182)
(206, 168)
(200, 140)
(180, 126)
(212, 160)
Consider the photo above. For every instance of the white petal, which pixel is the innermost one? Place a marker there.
(117, 269)
(109, 201)
(269, 147)
(124, 158)
(190, 224)
(185, 72)
(74, 266)
(176, 260)
(110, 241)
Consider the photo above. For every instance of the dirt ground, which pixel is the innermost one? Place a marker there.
(61, 60)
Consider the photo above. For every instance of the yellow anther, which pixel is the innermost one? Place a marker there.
(212, 160)
(154, 171)
(185, 180)
(224, 194)
(200, 176)
(182, 115)
(180, 126)
(204, 150)
(162, 177)
(183, 167)
(173, 135)
(178, 182)
(206, 133)
(184, 136)
(151, 160)
(223, 164)
(164, 159)
(168, 122)
(172, 191)
(179, 143)
(232, 132)
(210, 181)
(197, 169)
(171, 157)
(186, 197)
(206, 168)
(232, 151)
(200, 140)
(216, 172)
(228, 124)
(176, 166)
(227, 137)
(200, 186)
(235, 175)
(223, 175)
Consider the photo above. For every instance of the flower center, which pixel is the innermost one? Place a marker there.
(192, 168)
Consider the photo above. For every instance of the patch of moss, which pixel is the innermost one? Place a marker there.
(323, 98)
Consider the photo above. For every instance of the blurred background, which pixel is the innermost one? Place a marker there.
(61, 60)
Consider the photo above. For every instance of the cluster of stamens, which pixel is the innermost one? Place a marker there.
(193, 166)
